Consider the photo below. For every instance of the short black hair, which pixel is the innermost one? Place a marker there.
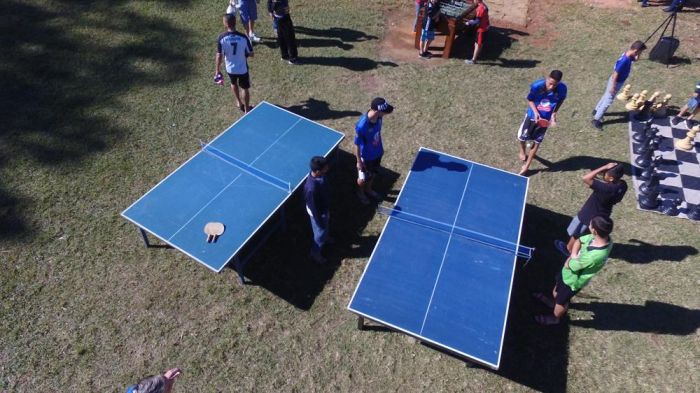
(638, 45)
(602, 225)
(230, 19)
(616, 172)
(318, 163)
(556, 75)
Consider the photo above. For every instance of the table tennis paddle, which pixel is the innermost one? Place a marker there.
(213, 230)
(543, 123)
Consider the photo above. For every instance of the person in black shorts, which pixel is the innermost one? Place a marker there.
(235, 49)
(606, 193)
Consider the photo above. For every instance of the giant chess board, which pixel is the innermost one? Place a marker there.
(679, 170)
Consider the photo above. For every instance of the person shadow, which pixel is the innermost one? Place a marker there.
(339, 33)
(497, 40)
(350, 63)
(641, 252)
(652, 317)
(314, 109)
(576, 163)
(282, 264)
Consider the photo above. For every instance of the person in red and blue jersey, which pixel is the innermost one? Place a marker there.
(544, 100)
(481, 21)
(622, 70)
(369, 149)
(235, 48)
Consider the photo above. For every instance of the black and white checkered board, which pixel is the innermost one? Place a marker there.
(679, 170)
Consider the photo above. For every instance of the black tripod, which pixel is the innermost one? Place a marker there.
(663, 52)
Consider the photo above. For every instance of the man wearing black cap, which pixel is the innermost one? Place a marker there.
(606, 194)
(368, 147)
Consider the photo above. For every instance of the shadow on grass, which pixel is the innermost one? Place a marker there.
(282, 265)
(576, 163)
(319, 110)
(271, 42)
(652, 317)
(496, 41)
(341, 33)
(350, 63)
(643, 252)
(57, 75)
(533, 355)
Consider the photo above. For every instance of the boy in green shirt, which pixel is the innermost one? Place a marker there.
(588, 256)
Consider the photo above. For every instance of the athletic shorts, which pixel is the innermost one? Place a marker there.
(427, 35)
(564, 292)
(248, 11)
(530, 131)
(576, 228)
(371, 169)
(693, 104)
(480, 37)
(240, 80)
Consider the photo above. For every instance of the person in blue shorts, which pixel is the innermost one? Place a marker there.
(248, 9)
(431, 16)
(369, 149)
(690, 109)
(622, 70)
(544, 100)
(156, 383)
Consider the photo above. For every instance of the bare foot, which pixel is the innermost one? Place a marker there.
(522, 156)
(523, 170)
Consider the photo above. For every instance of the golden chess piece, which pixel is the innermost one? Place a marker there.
(660, 108)
(688, 142)
(632, 104)
(624, 94)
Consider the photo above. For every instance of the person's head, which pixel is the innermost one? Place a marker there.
(152, 384)
(230, 21)
(553, 80)
(601, 226)
(319, 166)
(636, 49)
(614, 174)
(381, 106)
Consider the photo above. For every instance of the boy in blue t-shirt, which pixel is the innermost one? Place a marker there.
(368, 147)
(690, 108)
(544, 100)
(622, 70)
(431, 16)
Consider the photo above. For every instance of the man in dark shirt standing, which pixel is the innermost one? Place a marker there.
(279, 10)
(317, 196)
(606, 194)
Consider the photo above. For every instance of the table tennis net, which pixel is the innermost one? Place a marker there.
(257, 173)
(482, 238)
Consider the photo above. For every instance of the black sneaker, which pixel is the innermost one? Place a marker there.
(423, 55)
(597, 124)
(675, 120)
(594, 112)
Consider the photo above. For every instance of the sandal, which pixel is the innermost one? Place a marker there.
(546, 320)
(544, 299)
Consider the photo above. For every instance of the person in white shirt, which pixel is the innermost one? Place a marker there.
(235, 49)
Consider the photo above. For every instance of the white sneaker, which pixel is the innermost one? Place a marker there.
(254, 38)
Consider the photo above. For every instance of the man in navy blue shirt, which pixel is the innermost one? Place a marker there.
(622, 70)
(279, 10)
(368, 147)
(545, 98)
(318, 197)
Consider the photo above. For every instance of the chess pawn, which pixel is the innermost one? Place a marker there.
(688, 142)
(661, 107)
(624, 94)
(672, 208)
(632, 104)
(643, 96)
(694, 213)
(654, 96)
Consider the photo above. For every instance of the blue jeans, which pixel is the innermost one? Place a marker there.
(320, 234)
(606, 100)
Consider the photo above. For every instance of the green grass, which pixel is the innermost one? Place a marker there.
(100, 100)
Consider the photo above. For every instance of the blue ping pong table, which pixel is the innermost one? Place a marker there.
(443, 267)
(241, 178)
